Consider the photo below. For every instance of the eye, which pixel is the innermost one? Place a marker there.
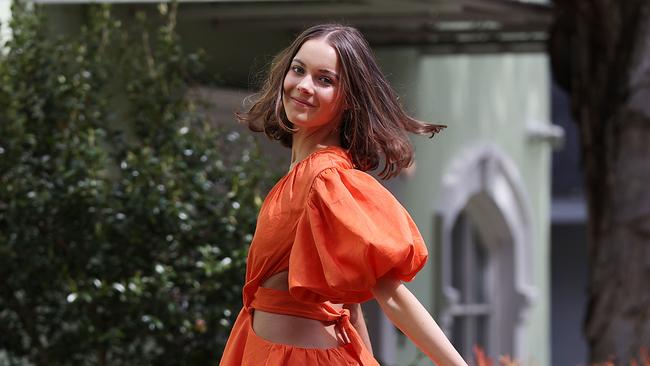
(297, 69)
(326, 80)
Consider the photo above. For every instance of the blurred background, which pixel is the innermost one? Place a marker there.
(129, 194)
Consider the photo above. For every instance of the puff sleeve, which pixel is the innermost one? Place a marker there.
(352, 232)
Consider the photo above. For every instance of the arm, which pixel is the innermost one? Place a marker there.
(359, 323)
(407, 313)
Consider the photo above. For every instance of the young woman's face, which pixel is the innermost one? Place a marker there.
(312, 95)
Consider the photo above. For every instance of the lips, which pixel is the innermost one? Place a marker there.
(302, 103)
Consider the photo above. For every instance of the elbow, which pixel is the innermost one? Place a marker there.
(386, 291)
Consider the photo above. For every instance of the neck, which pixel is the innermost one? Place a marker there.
(305, 142)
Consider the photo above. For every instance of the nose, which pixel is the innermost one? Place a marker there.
(305, 86)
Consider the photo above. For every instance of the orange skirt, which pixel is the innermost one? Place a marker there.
(256, 351)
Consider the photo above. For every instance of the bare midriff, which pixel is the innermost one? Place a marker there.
(292, 330)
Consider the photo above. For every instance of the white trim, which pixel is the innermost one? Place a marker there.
(546, 133)
(486, 171)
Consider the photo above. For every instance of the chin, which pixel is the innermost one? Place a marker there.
(300, 121)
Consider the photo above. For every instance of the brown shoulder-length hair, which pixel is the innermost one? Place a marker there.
(374, 123)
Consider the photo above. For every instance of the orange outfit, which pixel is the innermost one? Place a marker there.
(336, 230)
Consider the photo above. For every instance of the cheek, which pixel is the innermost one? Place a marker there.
(334, 102)
(288, 83)
(286, 91)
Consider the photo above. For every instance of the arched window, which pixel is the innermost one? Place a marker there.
(482, 294)
(485, 258)
(471, 310)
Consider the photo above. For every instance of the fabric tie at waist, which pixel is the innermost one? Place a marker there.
(281, 302)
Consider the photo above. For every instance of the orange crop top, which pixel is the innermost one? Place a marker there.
(336, 230)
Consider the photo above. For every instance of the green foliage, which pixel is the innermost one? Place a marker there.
(124, 217)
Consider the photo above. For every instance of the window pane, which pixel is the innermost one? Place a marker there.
(480, 270)
(457, 268)
(482, 332)
(458, 334)
(469, 277)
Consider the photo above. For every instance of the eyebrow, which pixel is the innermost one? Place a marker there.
(325, 71)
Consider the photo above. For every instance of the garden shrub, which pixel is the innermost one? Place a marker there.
(125, 217)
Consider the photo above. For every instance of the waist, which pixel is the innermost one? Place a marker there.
(310, 325)
(294, 330)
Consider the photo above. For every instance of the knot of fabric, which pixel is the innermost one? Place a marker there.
(343, 327)
(349, 337)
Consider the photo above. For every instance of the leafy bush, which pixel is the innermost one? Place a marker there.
(124, 216)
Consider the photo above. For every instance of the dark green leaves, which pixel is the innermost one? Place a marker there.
(125, 217)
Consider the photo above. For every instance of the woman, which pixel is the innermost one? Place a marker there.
(328, 235)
